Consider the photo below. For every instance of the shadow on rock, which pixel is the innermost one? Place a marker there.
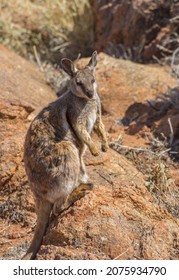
(161, 115)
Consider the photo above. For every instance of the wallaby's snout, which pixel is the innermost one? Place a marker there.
(90, 94)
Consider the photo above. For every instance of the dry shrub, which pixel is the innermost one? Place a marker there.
(154, 163)
(57, 28)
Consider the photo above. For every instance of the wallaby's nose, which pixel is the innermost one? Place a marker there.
(89, 93)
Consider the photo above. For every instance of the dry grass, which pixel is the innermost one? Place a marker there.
(16, 204)
(54, 27)
(154, 163)
(10, 211)
(12, 241)
(44, 31)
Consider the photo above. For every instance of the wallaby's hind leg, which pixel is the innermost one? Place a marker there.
(83, 174)
(76, 194)
(43, 214)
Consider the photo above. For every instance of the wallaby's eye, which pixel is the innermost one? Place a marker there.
(93, 81)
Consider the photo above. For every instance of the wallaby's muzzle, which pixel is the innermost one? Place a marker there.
(89, 94)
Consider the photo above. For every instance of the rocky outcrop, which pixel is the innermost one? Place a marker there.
(136, 29)
(119, 218)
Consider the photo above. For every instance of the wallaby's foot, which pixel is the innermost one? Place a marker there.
(104, 147)
(89, 186)
(77, 194)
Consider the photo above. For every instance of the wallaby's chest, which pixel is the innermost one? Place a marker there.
(91, 119)
(84, 115)
(88, 115)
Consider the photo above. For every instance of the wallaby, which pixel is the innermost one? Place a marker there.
(55, 145)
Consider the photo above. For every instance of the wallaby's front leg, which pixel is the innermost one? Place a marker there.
(100, 130)
(85, 138)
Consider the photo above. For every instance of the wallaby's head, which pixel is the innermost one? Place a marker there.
(83, 82)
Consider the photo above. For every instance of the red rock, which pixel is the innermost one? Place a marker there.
(134, 28)
(22, 80)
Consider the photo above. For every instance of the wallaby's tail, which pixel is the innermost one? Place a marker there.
(42, 223)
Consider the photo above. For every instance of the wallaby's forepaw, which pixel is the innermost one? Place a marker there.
(94, 150)
(105, 147)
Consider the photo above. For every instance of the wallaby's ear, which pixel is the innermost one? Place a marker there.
(93, 61)
(68, 66)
